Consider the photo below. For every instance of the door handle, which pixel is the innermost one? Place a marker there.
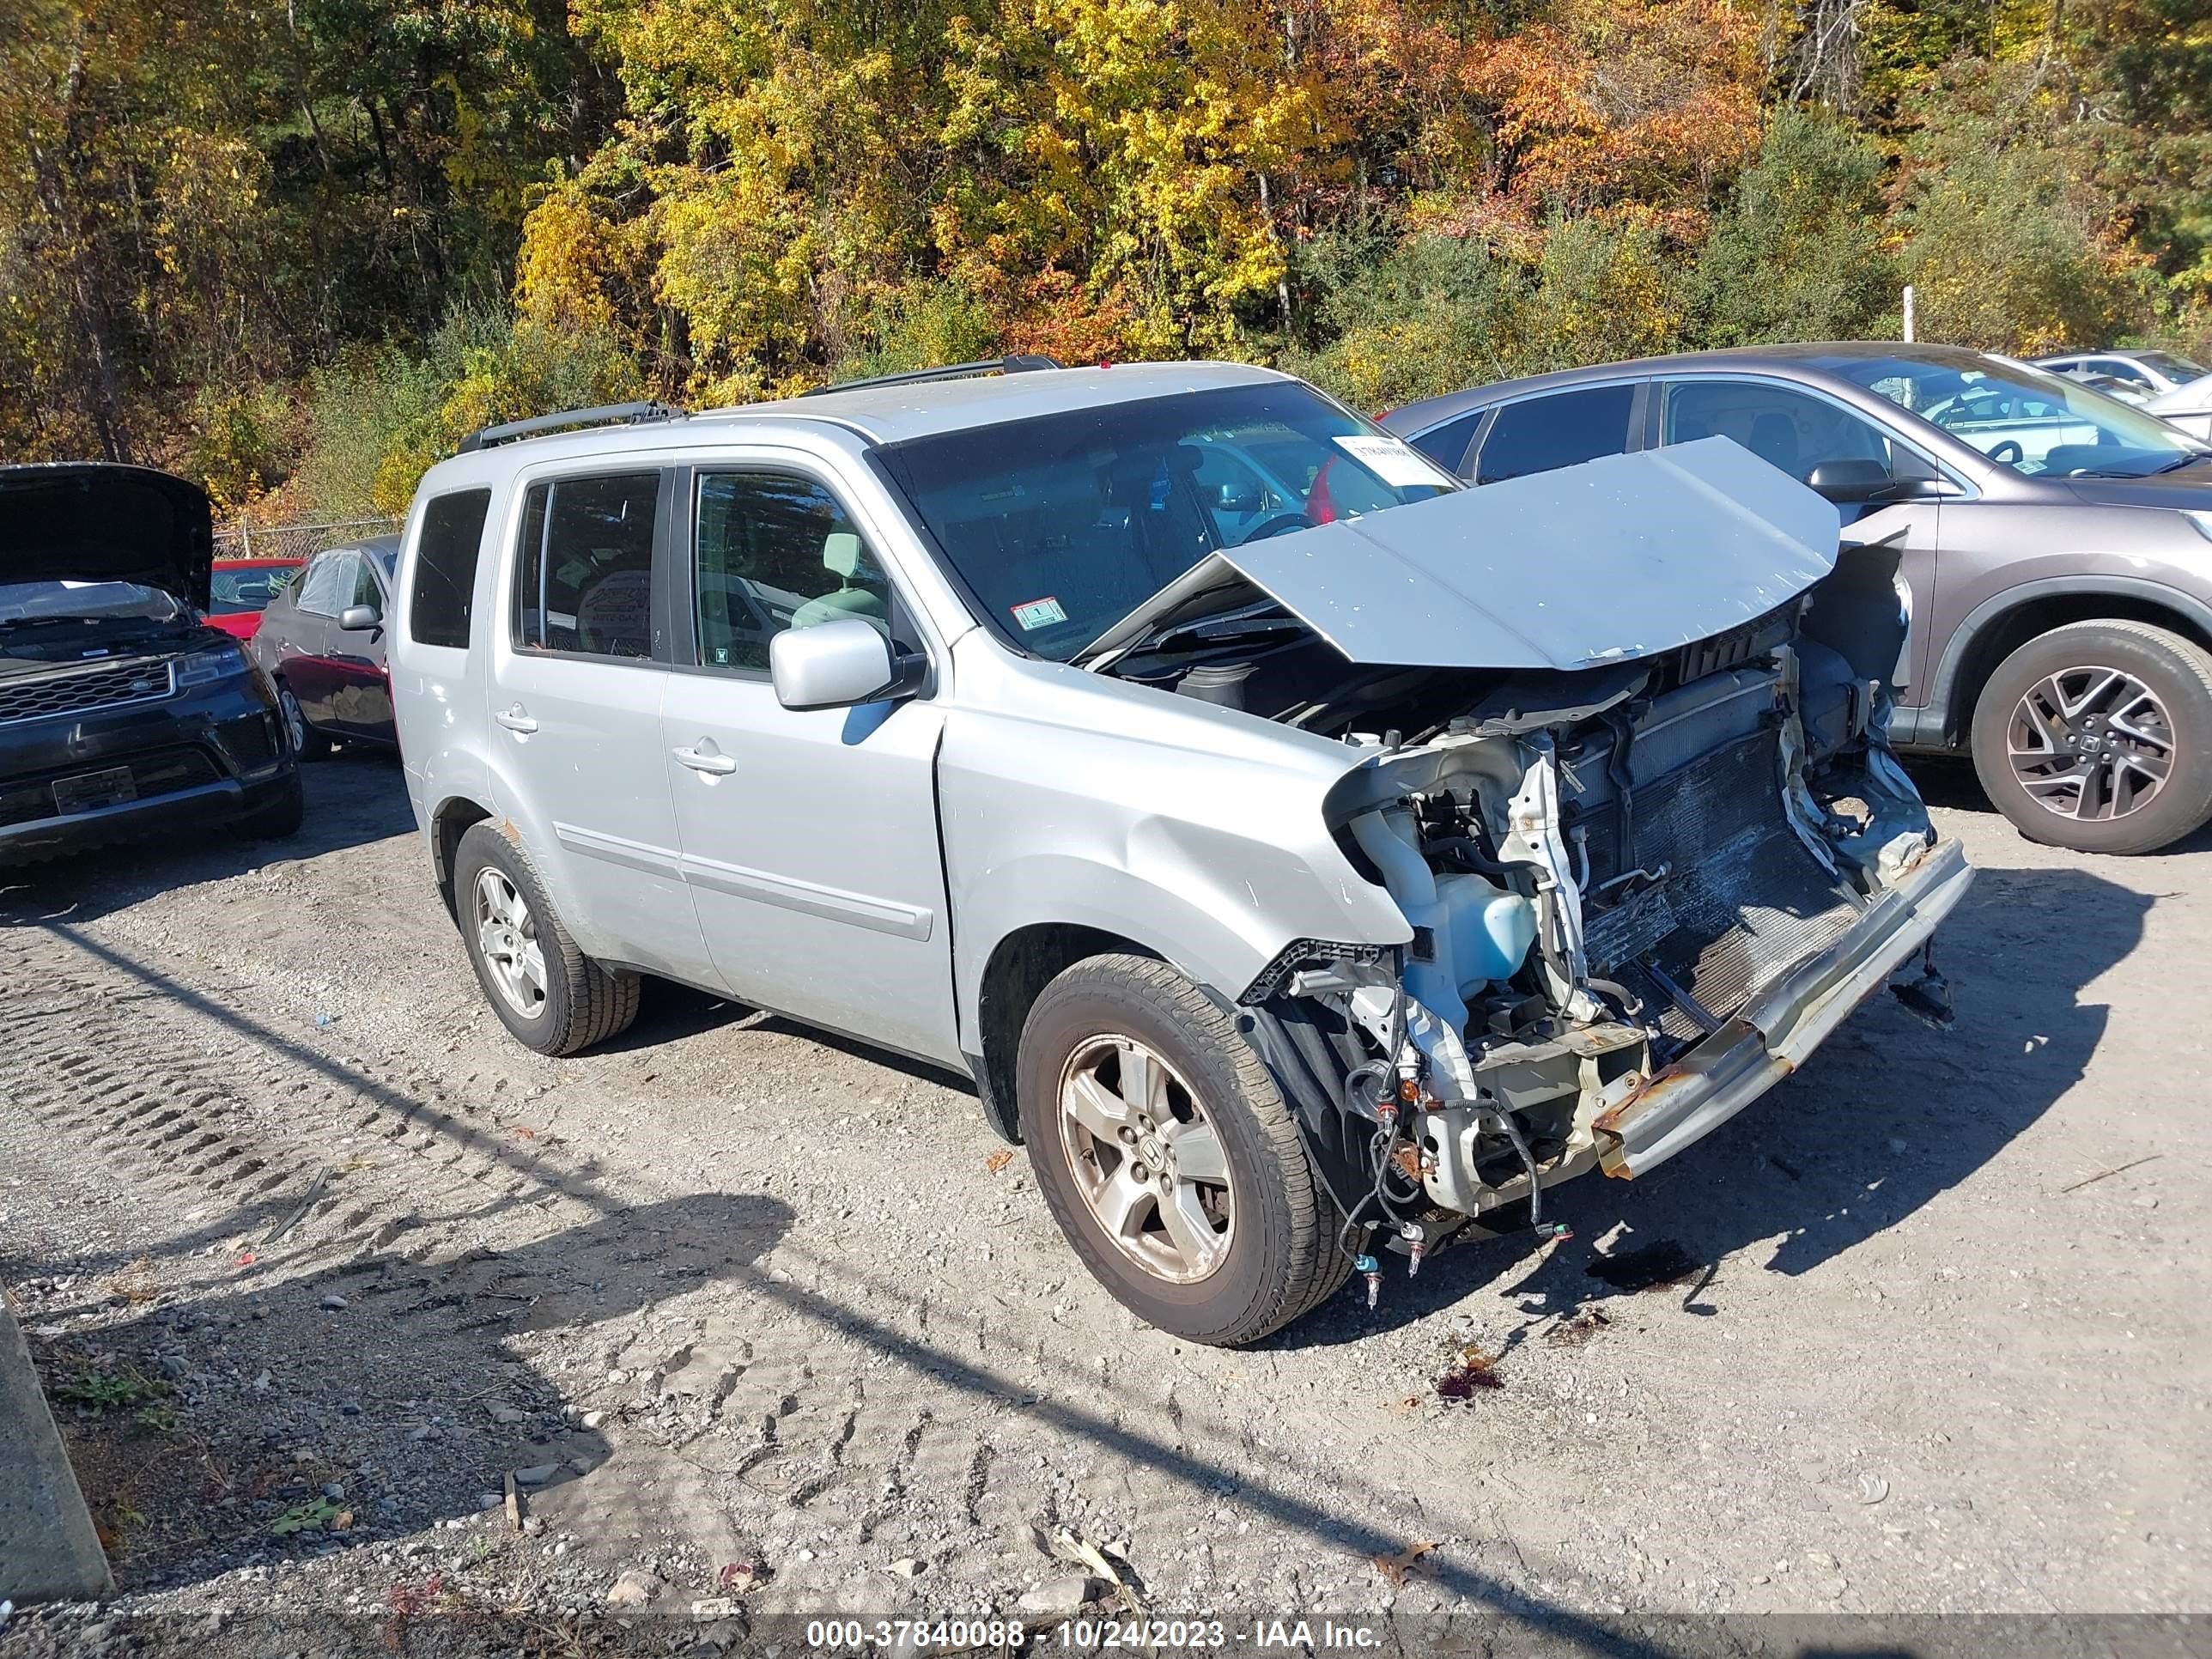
(514, 719)
(708, 760)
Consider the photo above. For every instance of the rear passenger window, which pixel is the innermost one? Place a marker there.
(446, 567)
(1446, 445)
(1563, 429)
(584, 579)
(772, 552)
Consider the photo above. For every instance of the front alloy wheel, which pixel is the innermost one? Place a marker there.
(2093, 741)
(2097, 736)
(1165, 1151)
(1145, 1160)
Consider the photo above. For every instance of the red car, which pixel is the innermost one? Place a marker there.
(243, 588)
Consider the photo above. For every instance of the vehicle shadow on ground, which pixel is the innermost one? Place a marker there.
(1948, 782)
(430, 1411)
(354, 797)
(532, 1176)
(1888, 1116)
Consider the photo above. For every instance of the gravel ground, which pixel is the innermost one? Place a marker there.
(765, 1328)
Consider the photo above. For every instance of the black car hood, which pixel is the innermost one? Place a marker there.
(2187, 486)
(91, 521)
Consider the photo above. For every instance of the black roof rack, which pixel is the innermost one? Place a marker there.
(604, 415)
(1017, 364)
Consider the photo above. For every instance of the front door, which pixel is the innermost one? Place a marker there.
(360, 690)
(575, 696)
(1797, 430)
(809, 840)
(298, 650)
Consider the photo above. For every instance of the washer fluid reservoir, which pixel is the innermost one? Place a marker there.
(1490, 928)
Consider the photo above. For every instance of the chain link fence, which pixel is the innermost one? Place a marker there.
(295, 541)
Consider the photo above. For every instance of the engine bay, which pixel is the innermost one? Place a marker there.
(1600, 871)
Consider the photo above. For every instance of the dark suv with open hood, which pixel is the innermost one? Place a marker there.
(122, 712)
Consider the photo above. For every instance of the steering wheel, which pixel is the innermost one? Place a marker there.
(1997, 451)
(1276, 524)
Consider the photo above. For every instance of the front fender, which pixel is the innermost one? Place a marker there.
(1196, 832)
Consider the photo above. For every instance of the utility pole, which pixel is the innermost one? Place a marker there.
(1908, 314)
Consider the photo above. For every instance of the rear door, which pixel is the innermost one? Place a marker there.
(1796, 429)
(1559, 428)
(574, 694)
(809, 839)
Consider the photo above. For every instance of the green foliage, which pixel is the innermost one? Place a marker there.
(2008, 241)
(1428, 316)
(241, 442)
(96, 1389)
(309, 1514)
(1437, 312)
(1797, 255)
(297, 249)
(1605, 289)
(915, 327)
(359, 410)
(378, 419)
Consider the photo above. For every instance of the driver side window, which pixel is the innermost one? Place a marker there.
(771, 551)
(329, 585)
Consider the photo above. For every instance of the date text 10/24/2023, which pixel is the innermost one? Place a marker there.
(1090, 1635)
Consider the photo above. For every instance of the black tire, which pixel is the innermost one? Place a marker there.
(1282, 1259)
(310, 744)
(583, 1002)
(2175, 671)
(277, 817)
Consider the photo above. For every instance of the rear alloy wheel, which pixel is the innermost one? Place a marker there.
(1168, 1157)
(546, 991)
(2098, 737)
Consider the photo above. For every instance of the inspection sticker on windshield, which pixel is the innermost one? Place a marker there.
(1389, 460)
(1033, 614)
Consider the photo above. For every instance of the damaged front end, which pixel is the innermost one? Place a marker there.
(1641, 885)
(1629, 919)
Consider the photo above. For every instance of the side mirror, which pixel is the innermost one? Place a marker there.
(1849, 482)
(1238, 498)
(356, 618)
(840, 665)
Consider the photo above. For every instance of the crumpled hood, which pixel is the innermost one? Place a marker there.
(1626, 556)
(91, 521)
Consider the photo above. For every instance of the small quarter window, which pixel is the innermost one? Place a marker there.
(446, 567)
(1446, 445)
(584, 579)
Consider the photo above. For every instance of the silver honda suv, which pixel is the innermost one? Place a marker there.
(1311, 860)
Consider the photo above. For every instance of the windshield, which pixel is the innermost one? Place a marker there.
(1063, 527)
(238, 590)
(30, 602)
(2033, 421)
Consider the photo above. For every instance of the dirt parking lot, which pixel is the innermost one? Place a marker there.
(314, 1257)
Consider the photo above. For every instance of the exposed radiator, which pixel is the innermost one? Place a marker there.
(1743, 901)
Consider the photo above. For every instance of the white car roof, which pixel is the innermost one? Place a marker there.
(871, 414)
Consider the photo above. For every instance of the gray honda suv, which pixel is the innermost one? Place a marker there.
(1309, 860)
(2056, 546)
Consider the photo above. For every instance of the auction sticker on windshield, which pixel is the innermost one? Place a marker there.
(1388, 459)
(1033, 614)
